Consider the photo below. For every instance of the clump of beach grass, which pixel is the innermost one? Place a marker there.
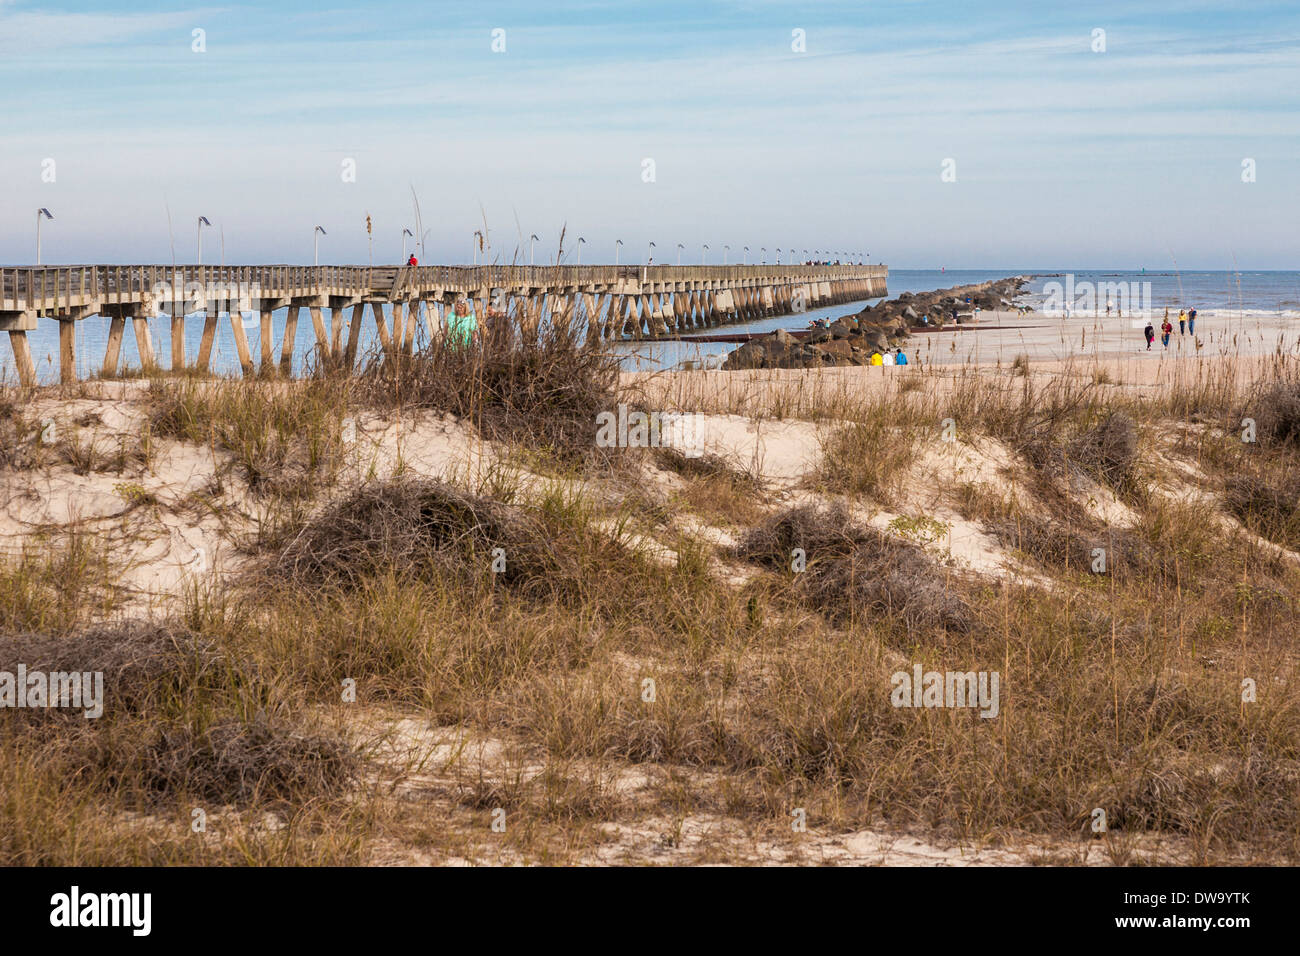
(546, 395)
(282, 437)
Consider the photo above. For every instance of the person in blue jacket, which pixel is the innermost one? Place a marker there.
(901, 359)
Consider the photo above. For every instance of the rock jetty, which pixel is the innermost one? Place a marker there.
(853, 339)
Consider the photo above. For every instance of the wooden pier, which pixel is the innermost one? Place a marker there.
(614, 302)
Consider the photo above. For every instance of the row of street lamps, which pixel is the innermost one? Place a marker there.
(480, 241)
(704, 252)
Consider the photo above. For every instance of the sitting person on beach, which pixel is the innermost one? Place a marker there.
(876, 359)
(901, 359)
(887, 358)
(1150, 333)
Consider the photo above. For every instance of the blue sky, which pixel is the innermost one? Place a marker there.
(1064, 157)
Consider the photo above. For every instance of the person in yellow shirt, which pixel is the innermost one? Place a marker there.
(876, 359)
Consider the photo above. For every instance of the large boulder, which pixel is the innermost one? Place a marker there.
(875, 340)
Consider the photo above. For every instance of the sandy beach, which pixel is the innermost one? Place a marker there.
(1108, 351)
(1002, 336)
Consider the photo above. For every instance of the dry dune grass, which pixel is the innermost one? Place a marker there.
(547, 393)
(183, 725)
(588, 682)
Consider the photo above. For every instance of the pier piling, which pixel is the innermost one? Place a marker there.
(636, 302)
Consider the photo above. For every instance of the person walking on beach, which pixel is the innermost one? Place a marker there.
(1166, 330)
(1191, 321)
(1109, 305)
(1182, 321)
(1150, 333)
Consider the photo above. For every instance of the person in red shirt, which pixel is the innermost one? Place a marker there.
(412, 261)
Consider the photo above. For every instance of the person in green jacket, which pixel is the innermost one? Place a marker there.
(462, 326)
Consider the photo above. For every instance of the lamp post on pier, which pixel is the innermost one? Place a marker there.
(41, 213)
(198, 241)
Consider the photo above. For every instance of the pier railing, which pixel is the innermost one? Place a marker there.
(52, 288)
(632, 301)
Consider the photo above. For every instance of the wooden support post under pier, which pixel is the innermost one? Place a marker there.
(178, 335)
(290, 339)
(241, 340)
(381, 326)
(561, 308)
(143, 343)
(23, 358)
(113, 351)
(354, 336)
(67, 351)
(322, 336)
(412, 322)
(210, 319)
(399, 326)
(589, 309)
(266, 339)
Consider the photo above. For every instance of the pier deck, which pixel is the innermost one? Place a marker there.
(613, 302)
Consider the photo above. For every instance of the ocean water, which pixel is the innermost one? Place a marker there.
(1245, 293)
(1248, 293)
